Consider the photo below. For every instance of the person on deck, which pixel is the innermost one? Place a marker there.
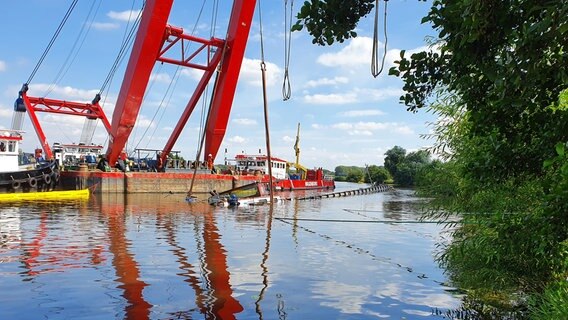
(159, 163)
(210, 162)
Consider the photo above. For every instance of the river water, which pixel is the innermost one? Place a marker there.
(159, 257)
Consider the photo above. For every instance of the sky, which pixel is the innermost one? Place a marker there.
(346, 116)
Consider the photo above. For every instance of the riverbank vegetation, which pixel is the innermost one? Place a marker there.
(496, 77)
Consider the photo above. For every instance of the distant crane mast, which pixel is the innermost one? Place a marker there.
(297, 147)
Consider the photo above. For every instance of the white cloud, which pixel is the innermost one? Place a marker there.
(368, 128)
(333, 98)
(251, 73)
(357, 52)
(404, 130)
(326, 82)
(160, 77)
(128, 15)
(355, 96)
(361, 113)
(2, 66)
(244, 121)
(378, 94)
(63, 93)
(144, 122)
(104, 25)
(237, 139)
(192, 73)
(288, 139)
(5, 112)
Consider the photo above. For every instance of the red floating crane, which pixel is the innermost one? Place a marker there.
(153, 40)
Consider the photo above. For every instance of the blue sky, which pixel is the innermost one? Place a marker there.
(347, 116)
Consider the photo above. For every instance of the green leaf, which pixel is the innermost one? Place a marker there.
(393, 71)
(297, 27)
(560, 149)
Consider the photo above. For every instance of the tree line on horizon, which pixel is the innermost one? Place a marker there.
(400, 168)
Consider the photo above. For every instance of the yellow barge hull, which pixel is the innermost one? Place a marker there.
(47, 195)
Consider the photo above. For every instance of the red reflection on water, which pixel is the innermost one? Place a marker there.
(215, 301)
(224, 306)
(125, 266)
(38, 260)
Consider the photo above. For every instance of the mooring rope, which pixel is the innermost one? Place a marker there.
(370, 221)
(360, 250)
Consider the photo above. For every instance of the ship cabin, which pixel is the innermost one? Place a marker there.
(258, 164)
(74, 154)
(9, 150)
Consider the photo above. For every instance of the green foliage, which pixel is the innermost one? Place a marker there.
(332, 20)
(497, 78)
(377, 174)
(393, 157)
(553, 303)
(500, 60)
(349, 173)
(355, 175)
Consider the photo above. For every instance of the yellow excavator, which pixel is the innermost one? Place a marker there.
(297, 168)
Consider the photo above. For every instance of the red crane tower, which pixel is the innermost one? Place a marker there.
(154, 38)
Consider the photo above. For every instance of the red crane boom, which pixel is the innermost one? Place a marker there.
(152, 34)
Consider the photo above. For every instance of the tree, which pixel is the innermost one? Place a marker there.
(410, 166)
(332, 20)
(378, 174)
(394, 157)
(355, 174)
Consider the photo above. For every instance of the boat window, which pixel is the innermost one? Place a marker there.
(2, 147)
(12, 146)
(260, 164)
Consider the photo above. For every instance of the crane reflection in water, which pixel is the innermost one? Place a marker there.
(109, 243)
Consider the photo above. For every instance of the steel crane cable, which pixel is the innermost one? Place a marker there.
(286, 87)
(72, 55)
(375, 70)
(266, 128)
(126, 42)
(53, 38)
(170, 90)
(121, 53)
(190, 197)
(203, 117)
(269, 162)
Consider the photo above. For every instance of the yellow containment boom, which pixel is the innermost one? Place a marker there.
(48, 195)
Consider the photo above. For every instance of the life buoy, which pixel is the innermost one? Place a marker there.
(46, 178)
(16, 184)
(32, 182)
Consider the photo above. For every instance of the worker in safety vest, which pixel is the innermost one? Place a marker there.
(210, 162)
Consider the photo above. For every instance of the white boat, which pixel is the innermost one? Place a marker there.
(15, 175)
